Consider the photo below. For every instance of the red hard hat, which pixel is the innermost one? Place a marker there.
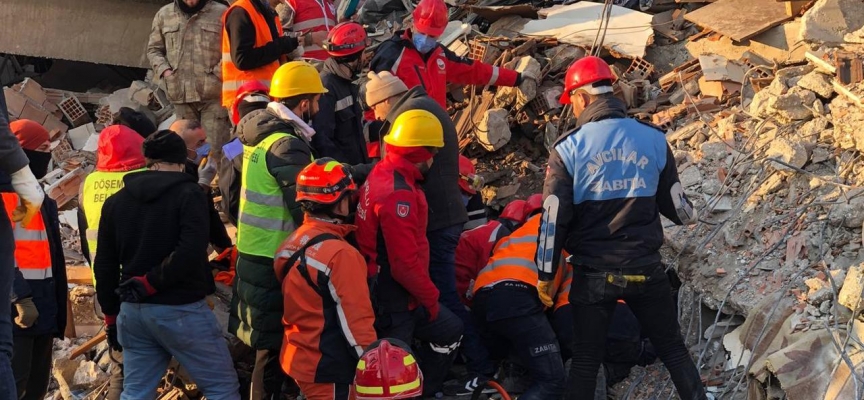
(466, 173)
(251, 87)
(430, 17)
(324, 181)
(345, 39)
(388, 370)
(515, 211)
(585, 71)
(533, 204)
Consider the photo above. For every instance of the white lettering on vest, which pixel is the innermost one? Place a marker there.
(615, 154)
(617, 184)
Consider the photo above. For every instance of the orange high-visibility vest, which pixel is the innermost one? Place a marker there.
(233, 77)
(513, 259)
(313, 16)
(32, 251)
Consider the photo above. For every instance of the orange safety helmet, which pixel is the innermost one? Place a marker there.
(388, 370)
(583, 72)
(515, 211)
(430, 17)
(345, 39)
(469, 181)
(324, 181)
(246, 89)
(533, 205)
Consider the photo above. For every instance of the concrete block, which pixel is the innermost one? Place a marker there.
(818, 83)
(790, 152)
(853, 288)
(493, 131)
(829, 20)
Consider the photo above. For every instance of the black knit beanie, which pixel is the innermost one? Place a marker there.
(135, 120)
(165, 146)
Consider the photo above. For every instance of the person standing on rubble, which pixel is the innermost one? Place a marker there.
(310, 16)
(339, 122)
(328, 313)
(40, 282)
(156, 228)
(416, 57)
(276, 147)
(13, 162)
(254, 45)
(195, 138)
(184, 52)
(391, 232)
(617, 175)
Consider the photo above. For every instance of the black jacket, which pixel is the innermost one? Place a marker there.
(218, 234)
(156, 226)
(621, 180)
(339, 122)
(49, 295)
(442, 182)
(241, 36)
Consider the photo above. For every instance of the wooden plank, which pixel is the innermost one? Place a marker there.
(740, 19)
(95, 340)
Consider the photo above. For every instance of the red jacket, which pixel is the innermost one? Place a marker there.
(391, 232)
(438, 68)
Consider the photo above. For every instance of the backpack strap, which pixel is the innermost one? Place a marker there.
(300, 255)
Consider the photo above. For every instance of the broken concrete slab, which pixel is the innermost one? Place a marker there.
(853, 288)
(791, 152)
(740, 19)
(493, 131)
(780, 44)
(719, 68)
(829, 20)
(819, 83)
(628, 30)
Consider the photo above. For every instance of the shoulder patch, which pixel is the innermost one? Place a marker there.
(402, 209)
(440, 64)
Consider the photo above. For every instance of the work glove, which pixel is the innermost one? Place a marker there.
(135, 290)
(433, 311)
(206, 173)
(546, 291)
(111, 333)
(27, 313)
(30, 193)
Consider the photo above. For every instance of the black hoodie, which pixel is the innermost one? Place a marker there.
(156, 226)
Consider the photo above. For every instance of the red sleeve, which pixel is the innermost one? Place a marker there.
(400, 226)
(463, 70)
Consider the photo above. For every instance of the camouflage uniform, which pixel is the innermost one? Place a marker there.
(191, 47)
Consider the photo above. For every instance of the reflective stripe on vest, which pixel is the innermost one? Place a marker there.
(313, 16)
(32, 251)
(264, 221)
(98, 187)
(513, 258)
(563, 295)
(233, 77)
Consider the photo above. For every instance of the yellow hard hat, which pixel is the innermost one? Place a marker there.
(416, 128)
(295, 78)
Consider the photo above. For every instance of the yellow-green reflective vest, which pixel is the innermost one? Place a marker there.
(98, 186)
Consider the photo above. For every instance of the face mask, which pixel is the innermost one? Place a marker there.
(38, 162)
(423, 43)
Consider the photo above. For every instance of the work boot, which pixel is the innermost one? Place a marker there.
(466, 387)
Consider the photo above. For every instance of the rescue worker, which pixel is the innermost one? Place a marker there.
(416, 57)
(391, 232)
(511, 316)
(183, 51)
(40, 282)
(118, 153)
(469, 184)
(156, 228)
(253, 45)
(250, 97)
(339, 122)
(328, 316)
(194, 137)
(308, 16)
(618, 175)
(276, 147)
(388, 370)
(14, 162)
(382, 91)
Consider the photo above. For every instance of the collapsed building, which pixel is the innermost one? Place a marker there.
(761, 101)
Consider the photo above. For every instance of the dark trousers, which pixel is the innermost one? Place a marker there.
(267, 376)
(115, 381)
(31, 365)
(593, 301)
(530, 337)
(440, 339)
(562, 323)
(7, 273)
(442, 270)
